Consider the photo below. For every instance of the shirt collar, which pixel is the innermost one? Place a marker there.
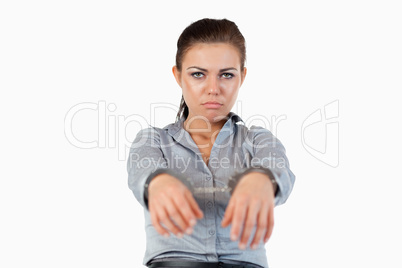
(177, 127)
(181, 136)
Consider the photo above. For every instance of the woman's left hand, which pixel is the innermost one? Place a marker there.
(251, 204)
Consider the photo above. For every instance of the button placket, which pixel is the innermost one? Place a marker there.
(210, 204)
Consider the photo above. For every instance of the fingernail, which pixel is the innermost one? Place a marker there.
(254, 246)
(233, 237)
(193, 222)
(189, 231)
(166, 235)
(180, 235)
(242, 246)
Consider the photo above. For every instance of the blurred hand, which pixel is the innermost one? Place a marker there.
(252, 204)
(171, 203)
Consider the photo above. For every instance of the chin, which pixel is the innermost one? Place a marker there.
(212, 116)
(216, 117)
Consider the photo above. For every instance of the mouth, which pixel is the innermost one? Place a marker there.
(212, 105)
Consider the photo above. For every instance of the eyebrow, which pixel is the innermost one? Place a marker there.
(205, 70)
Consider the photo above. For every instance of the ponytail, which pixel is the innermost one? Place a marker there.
(183, 110)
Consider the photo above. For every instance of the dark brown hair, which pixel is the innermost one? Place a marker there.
(208, 31)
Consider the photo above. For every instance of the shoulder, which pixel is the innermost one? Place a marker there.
(149, 131)
(255, 133)
(260, 132)
(150, 135)
(251, 132)
(261, 138)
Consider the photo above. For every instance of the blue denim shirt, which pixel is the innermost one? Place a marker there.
(236, 149)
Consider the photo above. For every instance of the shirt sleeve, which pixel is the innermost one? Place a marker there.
(270, 153)
(145, 157)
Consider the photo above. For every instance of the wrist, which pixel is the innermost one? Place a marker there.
(237, 177)
(150, 178)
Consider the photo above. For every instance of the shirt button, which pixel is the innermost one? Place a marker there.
(211, 232)
(208, 178)
(210, 204)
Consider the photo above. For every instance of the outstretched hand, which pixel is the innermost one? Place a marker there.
(251, 204)
(172, 206)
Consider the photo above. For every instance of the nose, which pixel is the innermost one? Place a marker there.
(213, 86)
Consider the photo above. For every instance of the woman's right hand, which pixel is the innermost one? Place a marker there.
(172, 206)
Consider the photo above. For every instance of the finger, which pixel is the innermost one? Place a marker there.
(164, 215)
(186, 214)
(194, 206)
(227, 218)
(270, 226)
(155, 221)
(249, 223)
(262, 224)
(173, 213)
(239, 214)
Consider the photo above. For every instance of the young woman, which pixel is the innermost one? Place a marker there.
(208, 183)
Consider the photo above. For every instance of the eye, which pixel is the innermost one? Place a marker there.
(197, 74)
(227, 75)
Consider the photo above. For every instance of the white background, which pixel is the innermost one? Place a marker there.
(65, 206)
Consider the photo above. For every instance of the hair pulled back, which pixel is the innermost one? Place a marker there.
(208, 31)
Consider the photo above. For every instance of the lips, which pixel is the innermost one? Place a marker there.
(212, 105)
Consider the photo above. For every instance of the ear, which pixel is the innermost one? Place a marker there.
(243, 76)
(177, 75)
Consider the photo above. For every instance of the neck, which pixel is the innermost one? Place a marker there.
(202, 127)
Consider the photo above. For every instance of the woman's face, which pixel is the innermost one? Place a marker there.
(210, 79)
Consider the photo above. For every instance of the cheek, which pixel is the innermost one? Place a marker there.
(231, 87)
(232, 96)
(190, 92)
(192, 87)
